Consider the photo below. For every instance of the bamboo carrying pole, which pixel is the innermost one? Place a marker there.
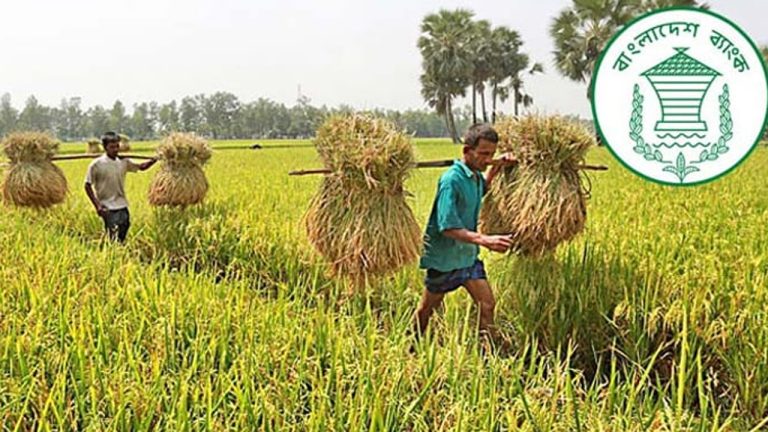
(435, 164)
(93, 156)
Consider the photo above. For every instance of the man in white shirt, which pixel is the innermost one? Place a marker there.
(105, 186)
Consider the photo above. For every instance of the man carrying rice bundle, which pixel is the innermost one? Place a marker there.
(105, 186)
(452, 242)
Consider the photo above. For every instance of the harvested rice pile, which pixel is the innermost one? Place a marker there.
(31, 179)
(542, 201)
(359, 220)
(125, 143)
(94, 146)
(180, 181)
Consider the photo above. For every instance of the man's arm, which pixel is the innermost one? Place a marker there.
(148, 164)
(100, 209)
(496, 243)
(133, 167)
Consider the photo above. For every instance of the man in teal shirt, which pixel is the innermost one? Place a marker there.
(451, 242)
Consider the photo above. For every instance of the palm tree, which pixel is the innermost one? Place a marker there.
(509, 65)
(482, 50)
(504, 63)
(581, 31)
(438, 99)
(516, 85)
(445, 44)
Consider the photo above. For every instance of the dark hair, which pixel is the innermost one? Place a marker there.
(479, 131)
(109, 137)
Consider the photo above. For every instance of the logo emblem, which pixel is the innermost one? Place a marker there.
(680, 96)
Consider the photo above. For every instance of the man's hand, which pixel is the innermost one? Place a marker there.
(496, 243)
(505, 160)
(148, 164)
(102, 211)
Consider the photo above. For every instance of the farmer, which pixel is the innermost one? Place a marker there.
(451, 242)
(106, 175)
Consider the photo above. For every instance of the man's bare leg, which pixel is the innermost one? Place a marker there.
(481, 293)
(429, 303)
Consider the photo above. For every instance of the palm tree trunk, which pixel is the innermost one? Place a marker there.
(517, 100)
(450, 121)
(493, 106)
(474, 104)
(447, 120)
(482, 101)
(590, 89)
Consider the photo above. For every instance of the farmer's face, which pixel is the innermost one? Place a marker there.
(112, 148)
(481, 156)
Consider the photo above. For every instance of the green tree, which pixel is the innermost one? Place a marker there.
(509, 65)
(97, 121)
(445, 46)
(516, 84)
(305, 118)
(8, 115)
(72, 125)
(118, 119)
(220, 111)
(141, 122)
(190, 115)
(34, 117)
(168, 118)
(483, 52)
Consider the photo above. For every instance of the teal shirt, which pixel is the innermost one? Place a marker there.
(457, 205)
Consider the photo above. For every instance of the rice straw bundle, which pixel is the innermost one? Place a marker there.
(541, 202)
(94, 146)
(32, 180)
(181, 180)
(125, 143)
(359, 220)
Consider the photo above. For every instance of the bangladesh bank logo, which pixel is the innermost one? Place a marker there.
(680, 96)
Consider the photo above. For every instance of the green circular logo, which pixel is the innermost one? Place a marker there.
(680, 96)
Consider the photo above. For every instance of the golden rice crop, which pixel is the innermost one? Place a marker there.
(32, 180)
(125, 143)
(180, 181)
(94, 146)
(359, 220)
(542, 201)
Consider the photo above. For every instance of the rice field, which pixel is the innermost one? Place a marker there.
(221, 316)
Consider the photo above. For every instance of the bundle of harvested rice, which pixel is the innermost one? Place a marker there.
(180, 181)
(541, 202)
(94, 146)
(125, 143)
(359, 220)
(32, 180)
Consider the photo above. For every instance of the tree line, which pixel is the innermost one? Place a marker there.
(217, 116)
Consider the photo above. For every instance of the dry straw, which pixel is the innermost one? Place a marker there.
(32, 180)
(125, 143)
(180, 181)
(541, 202)
(359, 220)
(94, 146)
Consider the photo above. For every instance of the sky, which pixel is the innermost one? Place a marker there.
(361, 53)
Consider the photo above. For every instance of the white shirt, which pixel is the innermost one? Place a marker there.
(107, 176)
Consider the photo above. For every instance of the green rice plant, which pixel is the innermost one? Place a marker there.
(220, 317)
